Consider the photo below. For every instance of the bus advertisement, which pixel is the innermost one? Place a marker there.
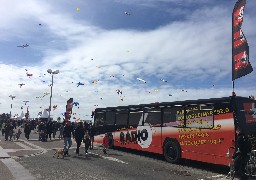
(201, 130)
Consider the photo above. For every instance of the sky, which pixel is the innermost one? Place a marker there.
(108, 44)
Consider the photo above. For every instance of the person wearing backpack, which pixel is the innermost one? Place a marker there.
(240, 156)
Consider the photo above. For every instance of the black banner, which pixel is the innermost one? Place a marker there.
(240, 48)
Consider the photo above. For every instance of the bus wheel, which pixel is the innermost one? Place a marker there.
(172, 152)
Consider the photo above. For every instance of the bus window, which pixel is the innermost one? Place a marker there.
(110, 118)
(99, 118)
(121, 118)
(135, 117)
(199, 116)
(173, 116)
(153, 117)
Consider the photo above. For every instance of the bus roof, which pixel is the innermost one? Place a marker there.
(167, 104)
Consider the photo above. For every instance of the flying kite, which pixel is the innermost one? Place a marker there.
(79, 84)
(11, 96)
(141, 80)
(95, 81)
(29, 75)
(75, 103)
(119, 91)
(25, 102)
(23, 46)
(21, 84)
(54, 107)
(126, 13)
(163, 80)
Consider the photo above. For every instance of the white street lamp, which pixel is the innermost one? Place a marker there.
(52, 73)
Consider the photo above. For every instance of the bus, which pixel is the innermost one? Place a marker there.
(201, 130)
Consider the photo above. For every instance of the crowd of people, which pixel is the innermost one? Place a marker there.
(46, 130)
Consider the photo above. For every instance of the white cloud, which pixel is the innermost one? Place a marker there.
(191, 51)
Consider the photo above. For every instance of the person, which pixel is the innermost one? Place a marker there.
(6, 131)
(79, 135)
(67, 131)
(3, 128)
(105, 143)
(61, 131)
(27, 131)
(240, 156)
(49, 130)
(91, 133)
(18, 133)
(11, 131)
(87, 143)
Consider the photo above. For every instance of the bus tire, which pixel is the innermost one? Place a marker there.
(172, 152)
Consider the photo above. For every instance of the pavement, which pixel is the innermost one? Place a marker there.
(15, 149)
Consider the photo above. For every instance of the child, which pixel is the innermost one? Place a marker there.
(87, 143)
(18, 134)
(105, 143)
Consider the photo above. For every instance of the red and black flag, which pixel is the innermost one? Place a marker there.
(240, 48)
(68, 109)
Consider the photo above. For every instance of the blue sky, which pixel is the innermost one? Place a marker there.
(186, 42)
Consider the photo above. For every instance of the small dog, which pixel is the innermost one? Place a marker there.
(59, 152)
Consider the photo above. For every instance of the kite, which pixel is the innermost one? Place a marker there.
(25, 102)
(78, 9)
(163, 80)
(95, 81)
(141, 80)
(170, 94)
(21, 84)
(75, 103)
(79, 84)
(23, 46)
(54, 107)
(119, 91)
(40, 24)
(126, 13)
(29, 75)
(91, 59)
(11, 96)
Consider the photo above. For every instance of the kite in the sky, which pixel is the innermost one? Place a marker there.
(119, 91)
(75, 103)
(11, 96)
(163, 80)
(79, 84)
(54, 107)
(78, 9)
(95, 81)
(29, 75)
(141, 80)
(21, 84)
(25, 102)
(170, 94)
(126, 13)
(23, 46)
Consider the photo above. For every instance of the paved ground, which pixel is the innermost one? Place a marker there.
(34, 160)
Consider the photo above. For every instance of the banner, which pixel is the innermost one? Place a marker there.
(240, 48)
(68, 109)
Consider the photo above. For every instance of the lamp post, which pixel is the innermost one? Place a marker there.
(11, 96)
(52, 73)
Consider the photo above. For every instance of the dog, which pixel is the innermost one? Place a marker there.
(59, 152)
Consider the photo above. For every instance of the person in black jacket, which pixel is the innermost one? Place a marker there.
(241, 155)
(27, 130)
(67, 131)
(79, 135)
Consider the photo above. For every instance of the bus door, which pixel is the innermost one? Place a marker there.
(150, 131)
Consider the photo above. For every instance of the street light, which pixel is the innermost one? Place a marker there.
(52, 73)
(11, 96)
